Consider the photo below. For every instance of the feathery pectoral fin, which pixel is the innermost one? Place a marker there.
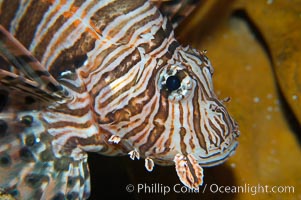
(14, 53)
(189, 171)
(14, 83)
(29, 166)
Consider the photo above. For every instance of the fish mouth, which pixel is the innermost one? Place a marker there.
(219, 157)
(209, 161)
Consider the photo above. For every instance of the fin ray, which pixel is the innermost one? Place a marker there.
(176, 11)
(18, 56)
(24, 85)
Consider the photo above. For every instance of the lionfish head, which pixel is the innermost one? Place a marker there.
(173, 117)
(195, 121)
(196, 128)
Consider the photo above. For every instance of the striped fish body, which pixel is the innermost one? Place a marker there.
(127, 87)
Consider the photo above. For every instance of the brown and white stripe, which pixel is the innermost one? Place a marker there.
(115, 57)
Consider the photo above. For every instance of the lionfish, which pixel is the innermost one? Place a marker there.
(105, 76)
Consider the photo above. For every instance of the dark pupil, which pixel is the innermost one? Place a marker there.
(173, 83)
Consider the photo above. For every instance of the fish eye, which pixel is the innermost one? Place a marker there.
(173, 83)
